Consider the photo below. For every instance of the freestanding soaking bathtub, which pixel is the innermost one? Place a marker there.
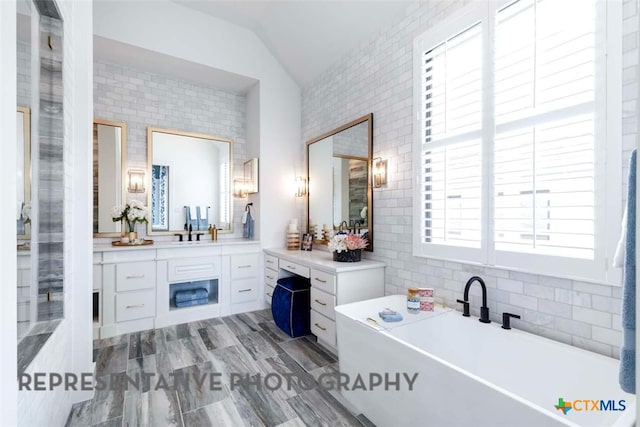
(472, 374)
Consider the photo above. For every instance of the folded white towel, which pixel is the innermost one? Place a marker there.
(203, 212)
(19, 214)
(618, 258)
(193, 213)
(244, 217)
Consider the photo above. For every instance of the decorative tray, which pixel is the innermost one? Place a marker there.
(139, 243)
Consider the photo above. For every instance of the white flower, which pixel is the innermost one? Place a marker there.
(116, 213)
(338, 243)
(136, 204)
(137, 214)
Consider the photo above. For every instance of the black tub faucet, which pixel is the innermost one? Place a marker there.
(484, 310)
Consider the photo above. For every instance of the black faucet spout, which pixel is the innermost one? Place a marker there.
(484, 310)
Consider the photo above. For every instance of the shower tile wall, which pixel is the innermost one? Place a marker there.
(377, 77)
(50, 174)
(24, 74)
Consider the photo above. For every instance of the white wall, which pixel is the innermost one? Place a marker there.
(253, 150)
(8, 395)
(205, 40)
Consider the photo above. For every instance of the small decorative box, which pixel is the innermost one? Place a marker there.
(426, 299)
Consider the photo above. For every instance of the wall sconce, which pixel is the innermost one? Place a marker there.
(240, 188)
(301, 186)
(379, 172)
(136, 181)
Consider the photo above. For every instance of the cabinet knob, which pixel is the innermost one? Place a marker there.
(136, 276)
(320, 280)
(245, 290)
(320, 302)
(135, 306)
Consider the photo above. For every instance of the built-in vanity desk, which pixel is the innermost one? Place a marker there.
(332, 283)
(134, 287)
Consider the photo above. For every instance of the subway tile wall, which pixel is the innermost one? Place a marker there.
(141, 99)
(377, 77)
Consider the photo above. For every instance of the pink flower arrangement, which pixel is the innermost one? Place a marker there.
(347, 242)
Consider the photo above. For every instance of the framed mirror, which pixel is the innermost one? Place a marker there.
(109, 160)
(190, 181)
(23, 178)
(344, 202)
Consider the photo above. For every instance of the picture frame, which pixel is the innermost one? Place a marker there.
(251, 175)
(307, 242)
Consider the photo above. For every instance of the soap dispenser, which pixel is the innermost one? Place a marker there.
(214, 232)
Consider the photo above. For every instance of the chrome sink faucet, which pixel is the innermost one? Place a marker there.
(484, 310)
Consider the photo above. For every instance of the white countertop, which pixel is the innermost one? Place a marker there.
(323, 260)
(165, 244)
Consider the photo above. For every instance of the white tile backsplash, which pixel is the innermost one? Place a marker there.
(141, 99)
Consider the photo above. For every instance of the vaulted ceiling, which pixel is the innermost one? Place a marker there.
(307, 36)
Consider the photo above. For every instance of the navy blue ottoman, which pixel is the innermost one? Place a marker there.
(290, 305)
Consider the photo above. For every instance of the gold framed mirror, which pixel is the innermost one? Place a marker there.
(109, 175)
(23, 178)
(345, 201)
(190, 175)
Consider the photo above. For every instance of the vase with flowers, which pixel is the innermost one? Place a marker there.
(347, 247)
(129, 215)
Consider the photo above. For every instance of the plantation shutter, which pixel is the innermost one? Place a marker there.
(451, 125)
(544, 148)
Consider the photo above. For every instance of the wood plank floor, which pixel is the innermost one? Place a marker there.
(248, 344)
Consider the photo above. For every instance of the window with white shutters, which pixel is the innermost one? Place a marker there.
(514, 156)
(452, 126)
(544, 146)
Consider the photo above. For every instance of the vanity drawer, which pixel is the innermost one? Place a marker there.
(270, 277)
(187, 269)
(268, 293)
(271, 261)
(323, 303)
(244, 290)
(245, 265)
(135, 275)
(97, 277)
(324, 281)
(135, 305)
(295, 268)
(323, 328)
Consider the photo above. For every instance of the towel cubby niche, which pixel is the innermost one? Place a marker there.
(211, 297)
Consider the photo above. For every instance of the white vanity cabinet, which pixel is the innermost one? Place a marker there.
(332, 283)
(245, 284)
(128, 280)
(135, 287)
(270, 276)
